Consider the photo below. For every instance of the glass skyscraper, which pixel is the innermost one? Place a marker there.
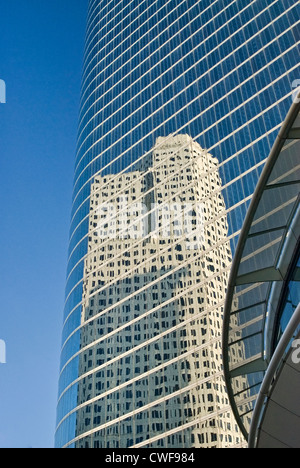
(168, 89)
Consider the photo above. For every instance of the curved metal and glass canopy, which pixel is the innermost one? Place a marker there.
(262, 266)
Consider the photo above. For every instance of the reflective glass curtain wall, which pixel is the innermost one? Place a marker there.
(222, 72)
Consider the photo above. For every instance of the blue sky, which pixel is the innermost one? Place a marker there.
(41, 50)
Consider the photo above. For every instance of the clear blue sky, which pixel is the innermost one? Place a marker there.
(41, 49)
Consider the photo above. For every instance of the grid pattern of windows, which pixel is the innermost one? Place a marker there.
(154, 285)
(221, 72)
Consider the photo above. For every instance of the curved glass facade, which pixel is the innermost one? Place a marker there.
(209, 81)
(263, 290)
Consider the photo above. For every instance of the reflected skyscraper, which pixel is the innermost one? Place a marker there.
(154, 285)
(155, 72)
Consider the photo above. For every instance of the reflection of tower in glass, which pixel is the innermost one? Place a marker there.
(154, 286)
